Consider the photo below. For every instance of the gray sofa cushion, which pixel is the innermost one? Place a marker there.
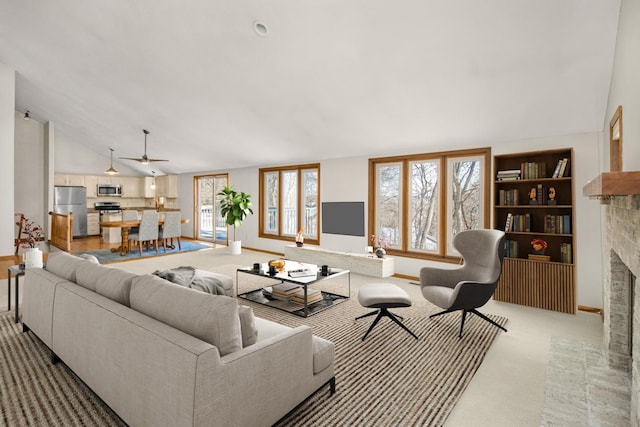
(247, 325)
(211, 318)
(63, 265)
(112, 283)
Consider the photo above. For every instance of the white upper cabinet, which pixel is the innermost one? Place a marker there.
(167, 186)
(63, 179)
(132, 186)
(91, 182)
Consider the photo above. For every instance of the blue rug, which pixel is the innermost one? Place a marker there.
(105, 256)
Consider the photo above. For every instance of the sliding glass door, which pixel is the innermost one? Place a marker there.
(209, 223)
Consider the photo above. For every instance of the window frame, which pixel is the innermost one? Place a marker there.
(280, 170)
(443, 188)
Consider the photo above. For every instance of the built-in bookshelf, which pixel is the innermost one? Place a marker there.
(534, 199)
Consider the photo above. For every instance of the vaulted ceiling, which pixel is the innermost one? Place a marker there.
(227, 84)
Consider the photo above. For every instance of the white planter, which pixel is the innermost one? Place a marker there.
(235, 247)
(33, 258)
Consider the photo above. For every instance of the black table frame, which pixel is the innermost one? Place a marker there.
(17, 272)
(307, 310)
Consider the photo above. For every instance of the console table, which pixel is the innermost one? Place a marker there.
(354, 262)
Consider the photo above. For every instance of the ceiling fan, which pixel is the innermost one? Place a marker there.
(144, 159)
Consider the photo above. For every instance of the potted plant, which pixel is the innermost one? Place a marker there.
(234, 208)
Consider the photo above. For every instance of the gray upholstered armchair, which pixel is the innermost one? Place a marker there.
(471, 285)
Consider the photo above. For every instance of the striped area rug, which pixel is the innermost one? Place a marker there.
(390, 379)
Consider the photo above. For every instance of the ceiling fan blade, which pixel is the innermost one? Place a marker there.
(157, 160)
(138, 159)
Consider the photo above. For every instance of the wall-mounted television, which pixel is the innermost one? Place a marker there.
(346, 218)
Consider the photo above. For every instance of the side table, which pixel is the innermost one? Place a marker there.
(17, 272)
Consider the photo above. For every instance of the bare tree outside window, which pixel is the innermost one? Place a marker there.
(422, 201)
(389, 198)
(424, 205)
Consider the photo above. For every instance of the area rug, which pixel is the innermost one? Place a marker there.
(105, 256)
(389, 379)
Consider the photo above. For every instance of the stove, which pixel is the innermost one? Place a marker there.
(107, 207)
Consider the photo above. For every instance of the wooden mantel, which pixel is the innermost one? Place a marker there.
(609, 184)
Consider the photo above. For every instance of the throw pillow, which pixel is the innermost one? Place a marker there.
(90, 258)
(247, 326)
(210, 318)
(64, 265)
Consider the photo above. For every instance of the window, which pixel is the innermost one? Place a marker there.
(289, 200)
(422, 201)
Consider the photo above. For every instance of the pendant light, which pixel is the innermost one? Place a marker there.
(111, 170)
(153, 183)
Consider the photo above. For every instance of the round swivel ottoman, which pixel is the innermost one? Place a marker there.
(383, 296)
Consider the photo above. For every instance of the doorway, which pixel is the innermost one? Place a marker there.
(210, 225)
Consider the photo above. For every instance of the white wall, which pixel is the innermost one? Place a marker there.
(7, 131)
(74, 158)
(30, 167)
(347, 180)
(625, 87)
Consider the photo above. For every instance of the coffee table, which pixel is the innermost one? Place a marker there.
(262, 296)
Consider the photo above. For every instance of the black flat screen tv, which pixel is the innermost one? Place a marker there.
(346, 218)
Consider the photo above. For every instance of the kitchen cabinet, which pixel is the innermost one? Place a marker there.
(149, 190)
(93, 224)
(167, 186)
(132, 187)
(64, 179)
(91, 182)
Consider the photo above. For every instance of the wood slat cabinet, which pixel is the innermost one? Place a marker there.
(548, 213)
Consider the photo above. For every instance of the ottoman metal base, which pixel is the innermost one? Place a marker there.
(382, 313)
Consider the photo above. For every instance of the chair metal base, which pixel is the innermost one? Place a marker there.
(464, 315)
(382, 312)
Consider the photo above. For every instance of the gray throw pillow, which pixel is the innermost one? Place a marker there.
(247, 325)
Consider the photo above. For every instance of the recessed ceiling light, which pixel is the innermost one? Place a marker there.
(260, 29)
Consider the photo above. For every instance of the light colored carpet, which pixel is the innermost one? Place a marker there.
(389, 379)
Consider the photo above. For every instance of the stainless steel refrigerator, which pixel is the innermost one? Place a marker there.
(68, 199)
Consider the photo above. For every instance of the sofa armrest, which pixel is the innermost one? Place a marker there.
(261, 383)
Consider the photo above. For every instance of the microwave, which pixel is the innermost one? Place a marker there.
(109, 190)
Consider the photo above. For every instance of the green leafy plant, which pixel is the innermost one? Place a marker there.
(234, 207)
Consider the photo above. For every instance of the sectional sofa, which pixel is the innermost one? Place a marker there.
(160, 354)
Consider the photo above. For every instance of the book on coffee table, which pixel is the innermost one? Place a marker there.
(313, 295)
(284, 289)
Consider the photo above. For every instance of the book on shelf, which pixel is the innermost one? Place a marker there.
(556, 171)
(536, 257)
(507, 223)
(313, 295)
(566, 255)
(563, 168)
(557, 224)
(533, 170)
(507, 175)
(284, 289)
(511, 248)
(508, 197)
(520, 223)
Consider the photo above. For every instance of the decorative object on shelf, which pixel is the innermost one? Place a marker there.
(234, 207)
(300, 238)
(278, 264)
(533, 199)
(380, 244)
(539, 246)
(111, 170)
(551, 196)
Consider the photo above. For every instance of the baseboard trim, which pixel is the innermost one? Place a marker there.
(406, 277)
(264, 251)
(588, 309)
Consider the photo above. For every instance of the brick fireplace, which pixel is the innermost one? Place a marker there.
(621, 298)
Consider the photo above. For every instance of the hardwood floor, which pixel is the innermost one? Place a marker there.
(90, 243)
